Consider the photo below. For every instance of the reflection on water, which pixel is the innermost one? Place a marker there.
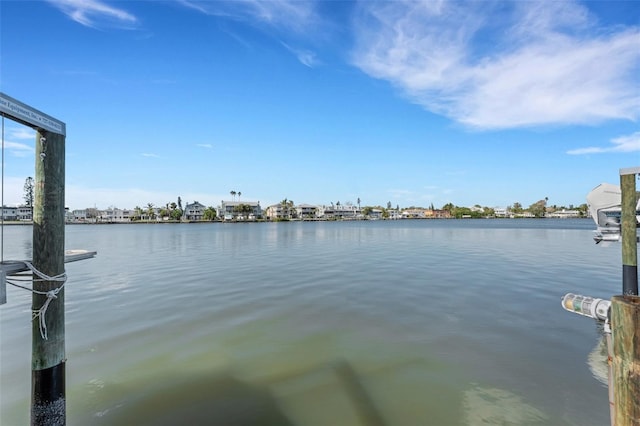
(373, 323)
(598, 361)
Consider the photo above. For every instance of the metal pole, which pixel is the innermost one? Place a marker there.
(48, 403)
(628, 232)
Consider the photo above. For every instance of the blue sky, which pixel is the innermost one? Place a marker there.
(412, 103)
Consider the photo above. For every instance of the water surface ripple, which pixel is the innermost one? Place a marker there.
(440, 322)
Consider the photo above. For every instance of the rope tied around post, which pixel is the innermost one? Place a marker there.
(51, 294)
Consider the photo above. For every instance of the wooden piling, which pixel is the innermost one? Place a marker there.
(628, 232)
(625, 312)
(48, 403)
(625, 328)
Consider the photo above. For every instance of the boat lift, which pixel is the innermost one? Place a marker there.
(604, 203)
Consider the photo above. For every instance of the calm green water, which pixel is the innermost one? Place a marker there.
(353, 323)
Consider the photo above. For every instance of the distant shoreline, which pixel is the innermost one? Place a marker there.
(27, 223)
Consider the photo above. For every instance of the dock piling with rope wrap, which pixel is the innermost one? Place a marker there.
(48, 399)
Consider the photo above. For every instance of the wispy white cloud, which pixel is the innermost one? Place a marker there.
(79, 196)
(286, 14)
(205, 145)
(502, 65)
(629, 143)
(288, 17)
(150, 155)
(21, 133)
(95, 13)
(306, 57)
(18, 149)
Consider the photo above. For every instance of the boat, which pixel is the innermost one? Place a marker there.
(605, 208)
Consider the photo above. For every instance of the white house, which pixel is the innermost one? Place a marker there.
(337, 212)
(113, 214)
(276, 212)
(25, 213)
(562, 214)
(500, 212)
(233, 210)
(9, 213)
(306, 211)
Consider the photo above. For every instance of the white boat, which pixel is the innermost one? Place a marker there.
(605, 208)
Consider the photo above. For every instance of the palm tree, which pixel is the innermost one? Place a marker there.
(150, 213)
(246, 210)
(292, 211)
(233, 195)
(239, 194)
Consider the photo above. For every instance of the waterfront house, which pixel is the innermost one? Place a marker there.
(441, 214)
(500, 212)
(277, 212)
(114, 214)
(21, 213)
(239, 210)
(337, 212)
(394, 214)
(414, 214)
(9, 213)
(25, 213)
(194, 211)
(306, 211)
(375, 214)
(564, 214)
(79, 215)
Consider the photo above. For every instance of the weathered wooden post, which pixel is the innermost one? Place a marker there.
(48, 405)
(625, 329)
(628, 226)
(625, 312)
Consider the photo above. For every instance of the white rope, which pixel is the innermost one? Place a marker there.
(51, 294)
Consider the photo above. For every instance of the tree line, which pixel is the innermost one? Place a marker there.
(175, 211)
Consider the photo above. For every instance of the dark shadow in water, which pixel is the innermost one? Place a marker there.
(222, 399)
(219, 400)
(349, 382)
(367, 411)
